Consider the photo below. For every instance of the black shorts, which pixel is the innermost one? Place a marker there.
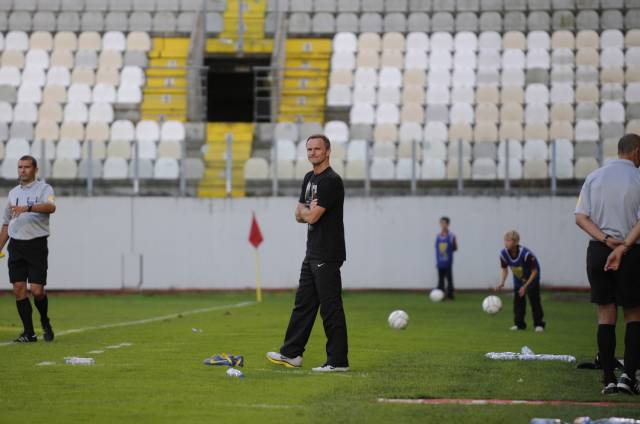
(28, 260)
(621, 287)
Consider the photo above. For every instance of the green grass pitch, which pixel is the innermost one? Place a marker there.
(160, 376)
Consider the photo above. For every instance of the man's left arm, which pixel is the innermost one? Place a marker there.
(455, 243)
(328, 193)
(533, 264)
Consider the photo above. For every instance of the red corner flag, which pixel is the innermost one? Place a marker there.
(255, 236)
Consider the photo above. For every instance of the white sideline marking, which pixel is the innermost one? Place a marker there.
(145, 321)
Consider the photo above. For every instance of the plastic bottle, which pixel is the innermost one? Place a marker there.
(74, 360)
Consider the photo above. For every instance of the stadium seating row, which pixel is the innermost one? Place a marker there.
(430, 169)
(70, 41)
(324, 23)
(112, 168)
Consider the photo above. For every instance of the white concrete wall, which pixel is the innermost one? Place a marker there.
(200, 243)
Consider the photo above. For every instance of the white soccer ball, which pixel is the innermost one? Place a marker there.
(436, 295)
(492, 304)
(398, 320)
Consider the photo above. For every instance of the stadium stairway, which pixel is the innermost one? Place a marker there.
(165, 92)
(305, 80)
(254, 41)
(213, 184)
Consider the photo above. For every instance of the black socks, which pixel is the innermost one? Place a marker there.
(632, 349)
(42, 303)
(24, 310)
(607, 351)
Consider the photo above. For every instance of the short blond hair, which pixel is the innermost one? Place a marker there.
(513, 235)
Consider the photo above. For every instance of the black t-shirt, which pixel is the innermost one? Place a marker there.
(325, 238)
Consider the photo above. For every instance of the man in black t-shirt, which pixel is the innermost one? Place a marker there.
(320, 207)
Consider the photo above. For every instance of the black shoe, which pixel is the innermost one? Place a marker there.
(610, 389)
(48, 331)
(26, 338)
(628, 386)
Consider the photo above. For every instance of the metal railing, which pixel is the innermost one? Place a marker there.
(196, 84)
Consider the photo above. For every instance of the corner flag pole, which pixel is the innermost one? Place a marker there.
(258, 286)
(255, 238)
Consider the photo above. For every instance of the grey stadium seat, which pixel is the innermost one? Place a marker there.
(420, 5)
(4, 131)
(325, 6)
(394, 22)
(563, 20)
(140, 21)
(347, 22)
(135, 58)
(299, 23)
(418, 22)
(44, 21)
(92, 21)
(491, 5)
(612, 130)
(587, 4)
(563, 4)
(515, 21)
(323, 23)
(444, 5)
(632, 19)
(120, 5)
(490, 21)
(633, 111)
(611, 4)
(21, 130)
(217, 5)
(539, 4)
(538, 21)
(442, 21)
(371, 22)
(395, 6)
(164, 22)
(27, 5)
(587, 111)
(185, 23)
(95, 5)
(68, 21)
(611, 19)
(588, 19)
(301, 6)
(168, 6)
(8, 93)
(537, 76)
(215, 23)
(146, 5)
(4, 23)
(467, 21)
(468, 5)
(349, 6)
(20, 21)
(361, 132)
(116, 21)
(48, 5)
(632, 4)
(515, 5)
(372, 6)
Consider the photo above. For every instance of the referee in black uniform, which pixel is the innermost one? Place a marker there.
(320, 207)
(26, 226)
(608, 211)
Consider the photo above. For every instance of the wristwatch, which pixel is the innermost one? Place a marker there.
(606, 237)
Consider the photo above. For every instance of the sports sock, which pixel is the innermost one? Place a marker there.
(607, 350)
(632, 348)
(24, 310)
(42, 303)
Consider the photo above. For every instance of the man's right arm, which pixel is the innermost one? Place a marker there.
(4, 236)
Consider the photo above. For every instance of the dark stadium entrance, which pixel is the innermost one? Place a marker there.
(231, 88)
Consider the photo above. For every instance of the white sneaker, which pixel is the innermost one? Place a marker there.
(279, 359)
(330, 368)
(514, 328)
(539, 329)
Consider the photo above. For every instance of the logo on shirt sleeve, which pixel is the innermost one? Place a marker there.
(51, 199)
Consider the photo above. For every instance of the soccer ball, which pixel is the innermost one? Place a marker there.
(492, 304)
(436, 295)
(398, 320)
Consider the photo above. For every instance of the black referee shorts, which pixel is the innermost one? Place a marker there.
(621, 287)
(28, 260)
